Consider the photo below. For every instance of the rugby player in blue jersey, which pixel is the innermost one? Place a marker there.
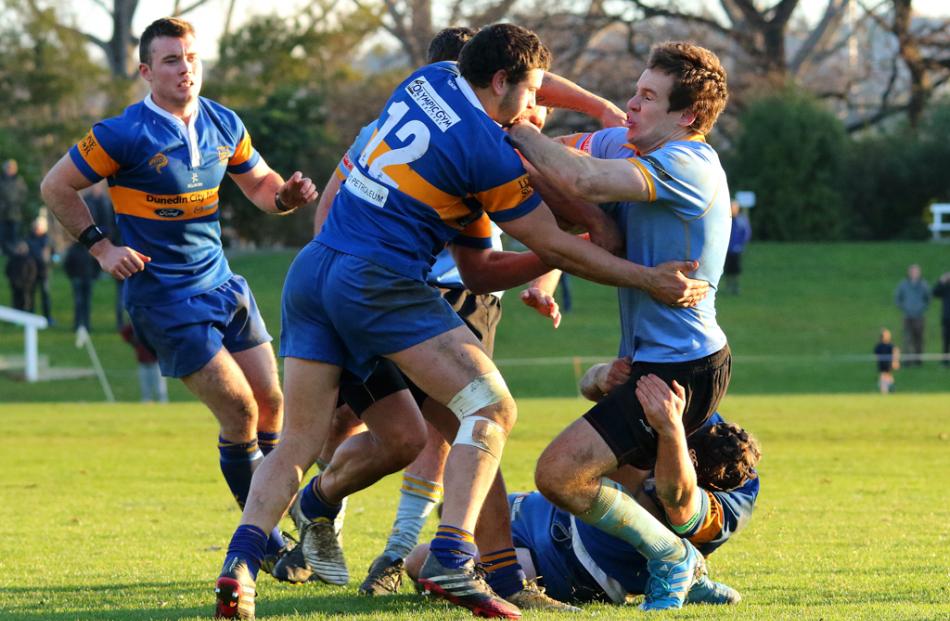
(164, 159)
(666, 188)
(702, 489)
(439, 163)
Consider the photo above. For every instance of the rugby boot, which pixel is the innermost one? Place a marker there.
(234, 592)
(320, 547)
(706, 591)
(384, 576)
(465, 587)
(670, 581)
(533, 597)
(269, 562)
(292, 567)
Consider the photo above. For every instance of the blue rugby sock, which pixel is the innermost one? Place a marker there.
(416, 501)
(503, 571)
(238, 463)
(313, 504)
(268, 441)
(247, 544)
(452, 547)
(617, 513)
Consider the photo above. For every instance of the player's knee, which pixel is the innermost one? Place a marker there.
(271, 401)
(550, 477)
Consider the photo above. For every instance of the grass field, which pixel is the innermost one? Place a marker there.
(806, 322)
(118, 513)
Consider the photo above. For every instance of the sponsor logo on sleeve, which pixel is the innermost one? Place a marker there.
(525, 186)
(425, 96)
(224, 153)
(87, 144)
(367, 189)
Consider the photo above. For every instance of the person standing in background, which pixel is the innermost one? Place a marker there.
(12, 201)
(912, 298)
(942, 290)
(738, 238)
(888, 361)
(38, 243)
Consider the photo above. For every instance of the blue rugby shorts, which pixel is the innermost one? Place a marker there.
(343, 310)
(187, 334)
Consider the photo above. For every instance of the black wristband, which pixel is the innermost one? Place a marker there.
(281, 207)
(91, 236)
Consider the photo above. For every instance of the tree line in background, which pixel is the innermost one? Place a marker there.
(835, 122)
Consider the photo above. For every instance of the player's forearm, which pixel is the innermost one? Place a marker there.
(65, 203)
(560, 92)
(553, 160)
(326, 201)
(582, 258)
(501, 270)
(547, 282)
(264, 192)
(674, 473)
(581, 214)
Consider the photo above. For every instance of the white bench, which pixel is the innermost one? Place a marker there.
(940, 225)
(31, 323)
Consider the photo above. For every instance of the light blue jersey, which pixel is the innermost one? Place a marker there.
(686, 217)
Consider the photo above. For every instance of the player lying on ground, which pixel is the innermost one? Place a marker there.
(702, 492)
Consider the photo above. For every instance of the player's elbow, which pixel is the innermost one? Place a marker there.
(673, 496)
(478, 283)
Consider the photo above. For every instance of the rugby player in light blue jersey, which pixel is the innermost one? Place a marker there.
(702, 489)
(164, 159)
(439, 163)
(668, 191)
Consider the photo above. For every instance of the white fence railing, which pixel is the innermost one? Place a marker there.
(31, 323)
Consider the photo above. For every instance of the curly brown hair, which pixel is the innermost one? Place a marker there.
(699, 80)
(726, 455)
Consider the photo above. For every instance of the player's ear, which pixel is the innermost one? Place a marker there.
(499, 82)
(145, 71)
(687, 117)
(692, 458)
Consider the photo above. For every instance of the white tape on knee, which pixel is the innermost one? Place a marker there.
(481, 392)
(482, 433)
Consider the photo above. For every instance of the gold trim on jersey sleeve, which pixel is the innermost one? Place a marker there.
(646, 175)
(96, 156)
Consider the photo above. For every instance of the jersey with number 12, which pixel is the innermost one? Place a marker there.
(435, 166)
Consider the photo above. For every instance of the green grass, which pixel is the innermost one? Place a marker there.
(117, 512)
(806, 315)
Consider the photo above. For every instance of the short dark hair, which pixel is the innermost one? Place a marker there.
(699, 81)
(726, 455)
(447, 43)
(507, 47)
(164, 27)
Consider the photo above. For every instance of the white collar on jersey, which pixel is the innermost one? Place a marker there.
(191, 134)
(470, 95)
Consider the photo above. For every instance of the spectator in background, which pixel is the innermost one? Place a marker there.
(913, 297)
(83, 270)
(12, 202)
(151, 383)
(103, 214)
(38, 242)
(21, 271)
(888, 361)
(942, 291)
(738, 238)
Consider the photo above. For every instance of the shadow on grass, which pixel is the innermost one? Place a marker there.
(35, 603)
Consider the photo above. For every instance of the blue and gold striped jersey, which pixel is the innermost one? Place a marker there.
(435, 169)
(163, 178)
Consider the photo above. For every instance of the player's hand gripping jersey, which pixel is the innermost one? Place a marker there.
(163, 179)
(687, 216)
(434, 167)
